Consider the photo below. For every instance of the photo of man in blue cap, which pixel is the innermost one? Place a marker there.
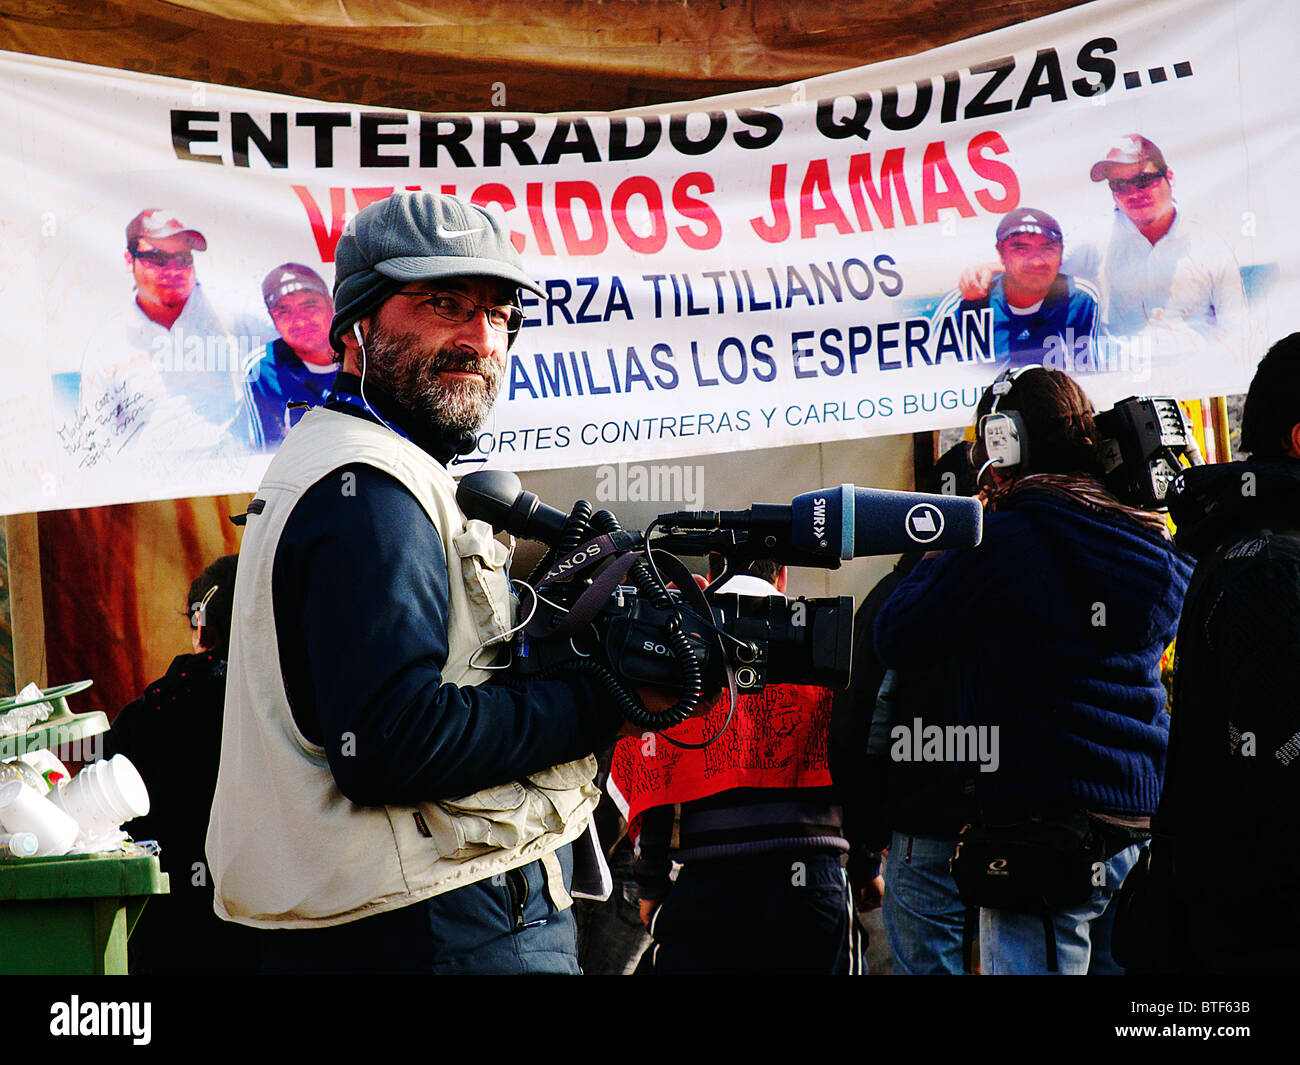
(1167, 285)
(299, 365)
(1041, 317)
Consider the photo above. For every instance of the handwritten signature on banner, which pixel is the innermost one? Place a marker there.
(161, 435)
(104, 428)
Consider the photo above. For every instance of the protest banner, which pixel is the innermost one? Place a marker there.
(750, 271)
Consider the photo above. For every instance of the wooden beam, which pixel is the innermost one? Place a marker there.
(26, 603)
(1219, 419)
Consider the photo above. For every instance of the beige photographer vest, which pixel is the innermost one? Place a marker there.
(285, 847)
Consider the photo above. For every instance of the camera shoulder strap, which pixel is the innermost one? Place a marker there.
(589, 603)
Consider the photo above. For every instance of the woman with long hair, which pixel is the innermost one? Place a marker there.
(1058, 620)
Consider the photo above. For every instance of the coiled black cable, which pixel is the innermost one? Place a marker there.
(677, 641)
(576, 531)
(581, 525)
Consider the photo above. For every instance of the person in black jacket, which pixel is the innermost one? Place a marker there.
(915, 809)
(1223, 859)
(172, 735)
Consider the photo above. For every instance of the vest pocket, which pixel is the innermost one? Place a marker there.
(493, 819)
(482, 568)
(567, 788)
(569, 775)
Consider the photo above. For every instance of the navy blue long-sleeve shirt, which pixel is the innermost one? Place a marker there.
(360, 588)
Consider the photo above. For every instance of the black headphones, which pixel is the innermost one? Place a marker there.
(1002, 434)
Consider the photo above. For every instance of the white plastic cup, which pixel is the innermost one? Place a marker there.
(23, 810)
(104, 795)
(19, 845)
(126, 787)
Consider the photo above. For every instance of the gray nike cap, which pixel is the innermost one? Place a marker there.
(416, 236)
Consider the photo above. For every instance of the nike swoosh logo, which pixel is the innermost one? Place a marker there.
(448, 234)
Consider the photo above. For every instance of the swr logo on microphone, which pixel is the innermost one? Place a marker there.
(924, 523)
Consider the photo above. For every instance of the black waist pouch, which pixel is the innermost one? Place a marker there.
(1028, 865)
(1032, 864)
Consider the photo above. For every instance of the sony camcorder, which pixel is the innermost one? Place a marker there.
(601, 602)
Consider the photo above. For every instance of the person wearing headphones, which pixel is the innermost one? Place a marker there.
(1058, 620)
(172, 734)
(379, 805)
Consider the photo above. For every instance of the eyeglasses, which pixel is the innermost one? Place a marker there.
(504, 318)
(163, 259)
(1142, 181)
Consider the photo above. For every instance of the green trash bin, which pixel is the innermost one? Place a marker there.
(70, 914)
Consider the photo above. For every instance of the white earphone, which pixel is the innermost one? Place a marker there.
(356, 332)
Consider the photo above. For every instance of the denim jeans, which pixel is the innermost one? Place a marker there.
(1016, 943)
(923, 912)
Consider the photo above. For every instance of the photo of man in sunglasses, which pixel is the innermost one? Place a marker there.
(160, 255)
(1158, 267)
(167, 373)
(1168, 285)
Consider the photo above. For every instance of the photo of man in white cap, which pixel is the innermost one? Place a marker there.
(165, 376)
(1158, 269)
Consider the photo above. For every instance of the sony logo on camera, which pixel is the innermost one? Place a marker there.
(584, 556)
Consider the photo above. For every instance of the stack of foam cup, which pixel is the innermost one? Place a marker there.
(100, 798)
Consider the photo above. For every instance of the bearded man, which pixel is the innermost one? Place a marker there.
(378, 805)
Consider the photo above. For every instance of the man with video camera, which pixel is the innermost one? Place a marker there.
(377, 804)
(1058, 621)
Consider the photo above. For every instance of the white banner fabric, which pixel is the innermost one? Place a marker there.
(750, 271)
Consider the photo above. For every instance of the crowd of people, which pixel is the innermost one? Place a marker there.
(385, 802)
